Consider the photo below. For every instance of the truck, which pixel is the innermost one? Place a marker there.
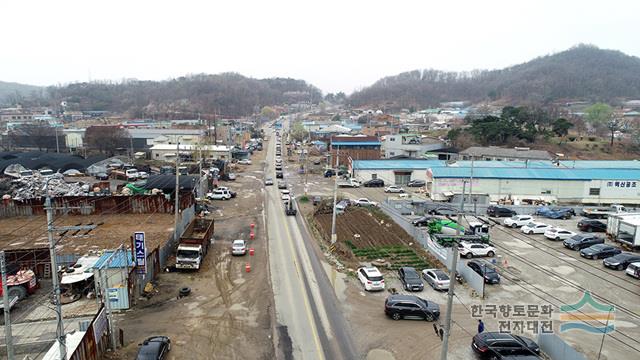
(624, 228)
(20, 284)
(353, 183)
(445, 228)
(194, 244)
(603, 213)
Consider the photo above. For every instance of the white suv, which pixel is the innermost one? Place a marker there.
(535, 228)
(371, 278)
(470, 250)
(219, 195)
(558, 234)
(393, 189)
(517, 220)
(365, 202)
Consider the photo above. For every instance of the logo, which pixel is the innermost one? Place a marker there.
(599, 319)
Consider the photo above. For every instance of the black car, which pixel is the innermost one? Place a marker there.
(374, 183)
(279, 175)
(499, 211)
(416, 183)
(410, 279)
(496, 345)
(592, 225)
(154, 348)
(422, 221)
(581, 241)
(599, 251)
(445, 211)
(329, 173)
(621, 261)
(408, 306)
(486, 270)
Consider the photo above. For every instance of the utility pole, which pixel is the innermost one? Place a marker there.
(57, 143)
(104, 279)
(452, 276)
(177, 191)
(54, 278)
(334, 236)
(8, 338)
(471, 198)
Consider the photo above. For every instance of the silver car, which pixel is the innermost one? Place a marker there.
(239, 247)
(438, 279)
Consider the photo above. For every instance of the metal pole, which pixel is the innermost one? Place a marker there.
(54, 278)
(604, 332)
(471, 198)
(452, 276)
(8, 338)
(107, 304)
(334, 236)
(176, 195)
(57, 143)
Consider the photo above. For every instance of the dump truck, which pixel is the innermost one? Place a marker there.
(20, 284)
(194, 244)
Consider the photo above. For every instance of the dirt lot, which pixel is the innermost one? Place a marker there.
(229, 312)
(26, 232)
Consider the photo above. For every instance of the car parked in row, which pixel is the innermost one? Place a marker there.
(517, 221)
(436, 278)
(592, 225)
(393, 189)
(411, 307)
(498, 345)
(371, 278)
(416, 183)
(558, 234)
(443, 211)
(410, 279)
(238, 247)
(422, 221)
(374, 183)
(500, 211)
(486, 270)
(599, 251)
(535, 228)
(581, 241)
(365, 202)
(154, 348)
(621, 261)
(633, 270)
(470, 250)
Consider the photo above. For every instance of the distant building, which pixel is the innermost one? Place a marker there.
(144, 139)
(358, 147)
(168, 152)
(504, 154)
(410, 145)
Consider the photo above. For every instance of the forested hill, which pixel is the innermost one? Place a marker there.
(582, 72)
(227, 94)
(11, 92)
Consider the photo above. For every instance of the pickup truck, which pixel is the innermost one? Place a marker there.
(353, 183)
(194, 244)
(603, 213)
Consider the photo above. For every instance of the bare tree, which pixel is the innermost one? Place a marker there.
(106, 139)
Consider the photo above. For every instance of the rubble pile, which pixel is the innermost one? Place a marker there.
(36, 186)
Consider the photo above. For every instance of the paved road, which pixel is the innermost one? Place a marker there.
(312, 325)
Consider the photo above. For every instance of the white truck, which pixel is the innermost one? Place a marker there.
(352, 183)
(603, 213)
(625, 228)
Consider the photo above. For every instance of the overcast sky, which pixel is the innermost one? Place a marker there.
(336, 45)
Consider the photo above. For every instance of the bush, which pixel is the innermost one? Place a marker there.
(304, 199)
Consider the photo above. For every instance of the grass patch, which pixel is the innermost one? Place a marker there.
(396, 255)
(303, 199)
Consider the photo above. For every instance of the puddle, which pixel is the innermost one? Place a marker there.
(380, 354)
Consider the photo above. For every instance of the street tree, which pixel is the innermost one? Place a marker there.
(561, 127)
(598, 115)
(298, 132)
(269, 113)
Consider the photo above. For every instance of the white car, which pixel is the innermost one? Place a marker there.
(535, 228)
(244, 162)
(393, 189)
(286, 195)
(470, 250)
(219, 194)
(371, 278)
(231, 176)
(558, 234)
(633, 270)
(365, 202)
(438, 279)
(239, 247)
(143, 175)
(517, 220)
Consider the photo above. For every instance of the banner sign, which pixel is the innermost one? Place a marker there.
(141, 252)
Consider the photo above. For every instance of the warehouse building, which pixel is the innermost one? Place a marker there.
(577, 182)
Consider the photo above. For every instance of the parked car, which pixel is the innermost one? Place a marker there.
(279, 175)
(443, 211)
(470, 250)
(621, 261)
(342, 205)
(316, 200)
(410, 279)
(535, 228)
(517, 220)
(268, 181)
(365, 202)
(282, 185)
(500, 211)
(592, 225)
(393, 189)
(555, 212)
(486, 270)
(436, 278)
(411, 307)
(239, 247)
(633, 270)
(244, 162)
(497, 345)
(371, 278)
(558, 234)
(219, 195)
(143, 175)
(416, 183)
(581, 241)
(231, 176)
(154, 348)
(422, 221)
(329, 173)
(373, 183)
(224, 188)
(599, 251)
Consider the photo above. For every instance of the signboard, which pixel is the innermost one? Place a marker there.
(100, 325)
(112, 294)
(141, 252)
